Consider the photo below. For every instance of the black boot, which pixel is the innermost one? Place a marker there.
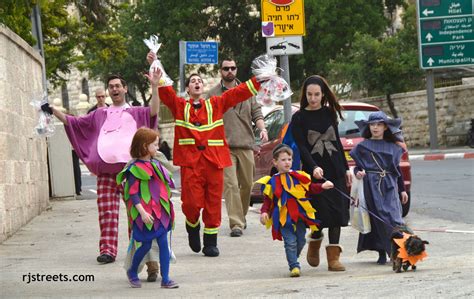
(210, 245)
(382, 257)
(193, 237)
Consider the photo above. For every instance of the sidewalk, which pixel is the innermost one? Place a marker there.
(461, 152)
(64, 241)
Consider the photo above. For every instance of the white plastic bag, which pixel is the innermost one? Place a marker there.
(274, 88)
(359, 217)
(153, 44)
(45, 126)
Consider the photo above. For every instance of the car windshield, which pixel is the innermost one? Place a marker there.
(347, 127)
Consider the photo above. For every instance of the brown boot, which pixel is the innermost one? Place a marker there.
(333, 252)
(312, 255)
(152, 269)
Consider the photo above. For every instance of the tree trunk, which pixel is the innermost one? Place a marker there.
(391, 106)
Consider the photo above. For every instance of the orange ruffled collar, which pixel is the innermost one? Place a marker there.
(403, 254)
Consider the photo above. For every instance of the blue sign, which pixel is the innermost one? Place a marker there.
(201, 53)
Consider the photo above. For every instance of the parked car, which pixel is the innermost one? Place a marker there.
(348, 132)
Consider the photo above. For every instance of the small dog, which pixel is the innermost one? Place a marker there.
(407, 249)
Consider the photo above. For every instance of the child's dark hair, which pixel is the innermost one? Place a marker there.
(281, 148)
(142, 138)
(387, 134)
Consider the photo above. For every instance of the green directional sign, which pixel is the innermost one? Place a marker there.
(445, 33)
(442, 8)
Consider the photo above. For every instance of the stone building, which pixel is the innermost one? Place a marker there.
(24, 180)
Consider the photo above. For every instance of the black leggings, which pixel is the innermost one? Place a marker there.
(333, 232)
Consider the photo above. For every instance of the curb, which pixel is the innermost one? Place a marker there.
(436, 157)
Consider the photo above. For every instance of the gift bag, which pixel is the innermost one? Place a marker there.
(359, 217)
(45, 126)
(274, 88)
(153, 44)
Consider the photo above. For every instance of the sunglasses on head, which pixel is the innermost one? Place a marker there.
(227, 68)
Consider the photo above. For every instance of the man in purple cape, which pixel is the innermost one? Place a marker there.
(102, 141)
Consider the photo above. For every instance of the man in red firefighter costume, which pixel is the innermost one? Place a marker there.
(200, 148)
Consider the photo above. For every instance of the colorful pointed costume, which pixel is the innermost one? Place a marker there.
(148, 183)
(286, 200)
(290, 211)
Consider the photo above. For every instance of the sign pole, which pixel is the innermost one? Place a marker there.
(182, 58)
(285, 66)
(431, 110)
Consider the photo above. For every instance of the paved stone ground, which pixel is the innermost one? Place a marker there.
(64, 240)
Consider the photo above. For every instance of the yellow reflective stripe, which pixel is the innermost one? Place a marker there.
(252, 88)
(209, 111)
(193, 225)
(211, 231)
(187, 107)
(202, 128)
(185, 141)
(215, 142)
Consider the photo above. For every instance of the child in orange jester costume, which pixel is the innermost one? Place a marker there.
(200, 148)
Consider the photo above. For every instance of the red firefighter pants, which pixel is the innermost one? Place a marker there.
(202, 189)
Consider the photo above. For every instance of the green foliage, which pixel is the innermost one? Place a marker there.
(60, 38)
(381, 66)
(331, 27)
(16, 16)
(239, 32)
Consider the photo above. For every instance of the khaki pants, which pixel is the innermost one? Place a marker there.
(238, 180)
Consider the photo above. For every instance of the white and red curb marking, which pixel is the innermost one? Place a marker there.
(440, 230)
(435, 157)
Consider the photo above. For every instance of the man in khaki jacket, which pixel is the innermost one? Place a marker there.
(238, 178)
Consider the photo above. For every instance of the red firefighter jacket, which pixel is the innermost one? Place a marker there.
(200, 131)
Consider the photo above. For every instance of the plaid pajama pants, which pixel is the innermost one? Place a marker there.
(108, 203)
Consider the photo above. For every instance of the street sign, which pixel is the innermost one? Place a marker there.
(201, 53)
(283, 17)
(287, 45)
(445, 33)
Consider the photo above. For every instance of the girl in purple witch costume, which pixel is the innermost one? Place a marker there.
(377, 161)
(147, 198)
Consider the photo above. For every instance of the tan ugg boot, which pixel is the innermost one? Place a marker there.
(152, 269)
(312, 256)
(333, 252)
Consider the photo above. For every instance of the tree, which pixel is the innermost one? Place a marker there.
(65, 36)
(384, 66)
(238, 28)
(331, 27)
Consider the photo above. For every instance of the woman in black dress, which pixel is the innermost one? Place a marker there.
(314, 128)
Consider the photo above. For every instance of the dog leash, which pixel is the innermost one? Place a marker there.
(370, 212)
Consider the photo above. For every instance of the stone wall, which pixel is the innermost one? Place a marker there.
(24, 189)
(454, 111)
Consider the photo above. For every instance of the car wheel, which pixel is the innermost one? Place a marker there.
(406, 207)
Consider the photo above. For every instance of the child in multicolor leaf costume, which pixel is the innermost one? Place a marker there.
(149, 208)
(286, 207)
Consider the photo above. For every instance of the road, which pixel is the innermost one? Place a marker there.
(63, 240)
(444, 189)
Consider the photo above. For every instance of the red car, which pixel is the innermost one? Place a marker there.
(348, 132)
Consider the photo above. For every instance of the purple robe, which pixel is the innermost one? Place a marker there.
(381, 192)
(83, 133)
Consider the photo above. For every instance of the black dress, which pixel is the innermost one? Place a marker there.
(317, 138)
